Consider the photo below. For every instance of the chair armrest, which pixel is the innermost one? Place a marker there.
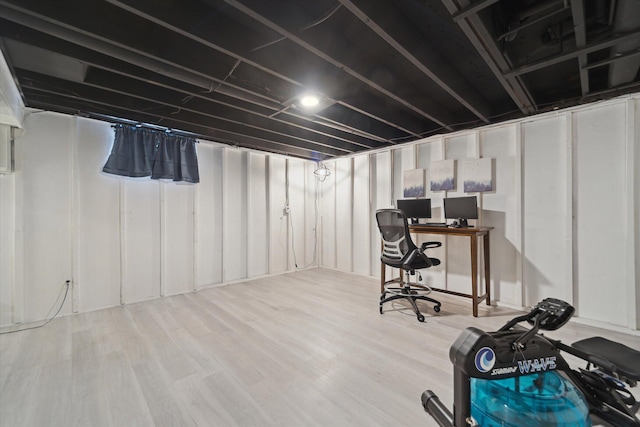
(430, 245)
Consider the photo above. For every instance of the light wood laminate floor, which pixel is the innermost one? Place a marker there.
(302, 349)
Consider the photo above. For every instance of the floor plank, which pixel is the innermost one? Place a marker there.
(305, 348)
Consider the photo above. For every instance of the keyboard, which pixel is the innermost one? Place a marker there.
(433, 224)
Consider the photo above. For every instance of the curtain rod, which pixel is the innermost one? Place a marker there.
(156, 128)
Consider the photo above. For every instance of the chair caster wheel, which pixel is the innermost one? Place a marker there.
(436, 308)
(420, 318)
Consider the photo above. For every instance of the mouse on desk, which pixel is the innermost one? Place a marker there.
(454, 224)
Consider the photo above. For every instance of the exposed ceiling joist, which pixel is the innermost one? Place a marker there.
(235, 71)
(436, 118)
(475, 105)
(591, 47)
(472, 9)
(146, 11)
(484, 43)
(580, 28)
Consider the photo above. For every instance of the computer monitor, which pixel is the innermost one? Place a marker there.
(415, 208)
(461, 209)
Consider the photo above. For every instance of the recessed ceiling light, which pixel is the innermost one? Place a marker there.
(309, 101)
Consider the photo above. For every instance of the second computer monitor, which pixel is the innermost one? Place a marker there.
(415, 208)
(461, 209)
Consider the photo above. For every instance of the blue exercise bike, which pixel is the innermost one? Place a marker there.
(518, 377)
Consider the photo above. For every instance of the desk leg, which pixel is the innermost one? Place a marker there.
(487, 268)
(474, 274)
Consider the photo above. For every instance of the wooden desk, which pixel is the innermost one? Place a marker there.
(473, 234)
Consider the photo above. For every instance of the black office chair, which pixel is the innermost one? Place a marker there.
(399, 251)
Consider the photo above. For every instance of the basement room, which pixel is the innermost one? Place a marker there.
(322, 213)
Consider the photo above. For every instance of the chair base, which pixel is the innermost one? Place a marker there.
(411, 294)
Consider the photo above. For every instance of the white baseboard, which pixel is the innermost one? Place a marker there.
(605, 325)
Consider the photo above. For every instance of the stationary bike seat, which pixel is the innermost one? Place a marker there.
(626, 359)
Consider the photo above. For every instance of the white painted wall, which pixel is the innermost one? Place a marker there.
(458, 147)
(278, 221)
(546, 237)
(426, 153)
(7, 245)
(234, 206)
(381, 192)
(344, 213)
(140, 234)
(328, 218)
(176, 234)
(11, 105)
(361, 218)
(257, 203)
(403, 159)
(208, 216)
(500, 209)
(45, 212)
(564, 208)
(296, 216)
(97, 261)
(122, 240)
(312, 215)
(600, 211)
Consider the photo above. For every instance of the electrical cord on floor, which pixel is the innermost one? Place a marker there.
(66, 291)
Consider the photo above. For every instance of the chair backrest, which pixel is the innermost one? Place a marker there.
(396, 239)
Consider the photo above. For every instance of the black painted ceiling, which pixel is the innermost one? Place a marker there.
(388, 71)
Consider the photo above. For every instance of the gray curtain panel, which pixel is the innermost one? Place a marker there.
(139, 152)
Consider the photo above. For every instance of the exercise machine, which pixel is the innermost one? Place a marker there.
(518, 377)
